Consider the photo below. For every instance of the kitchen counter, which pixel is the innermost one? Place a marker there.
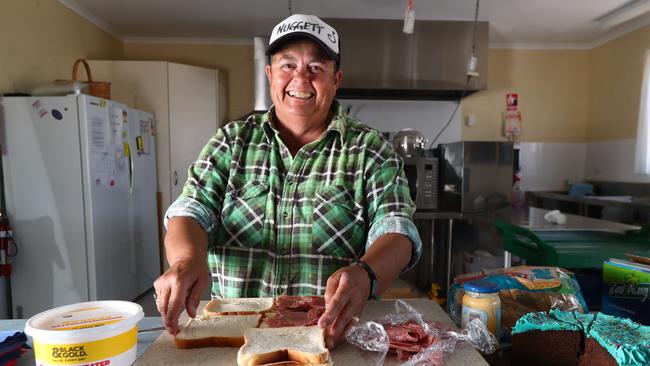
(158, 349)
(164, 352)
(437, 215)
(533, 218)
(621, 207)
(633, 202)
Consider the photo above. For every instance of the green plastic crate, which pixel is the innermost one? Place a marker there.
(571, 248)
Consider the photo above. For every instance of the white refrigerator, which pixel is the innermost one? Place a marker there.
(80, 182)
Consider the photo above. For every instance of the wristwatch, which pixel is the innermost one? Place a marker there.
(374, 287)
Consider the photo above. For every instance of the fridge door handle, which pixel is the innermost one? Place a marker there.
(131, 170)
(175, 178)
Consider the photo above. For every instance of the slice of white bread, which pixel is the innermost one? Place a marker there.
(305, 345)
(238, 306)
(216, 331)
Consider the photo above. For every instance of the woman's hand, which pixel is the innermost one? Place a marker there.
(182, 285)
(179, 288)
(345, 295)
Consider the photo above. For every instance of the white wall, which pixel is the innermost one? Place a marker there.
(613, 160)
(547, 166)
(550, 166)
(428, 117)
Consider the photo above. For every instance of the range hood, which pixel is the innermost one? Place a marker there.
(379, 61)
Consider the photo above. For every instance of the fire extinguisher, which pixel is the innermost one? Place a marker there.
(6, 246)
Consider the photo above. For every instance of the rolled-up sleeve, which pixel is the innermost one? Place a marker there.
(203, 192)
(390, 207)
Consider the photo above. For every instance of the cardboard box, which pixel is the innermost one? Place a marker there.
(626, 291)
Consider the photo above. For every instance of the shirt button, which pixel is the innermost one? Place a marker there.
(289, 181)
(285, 216)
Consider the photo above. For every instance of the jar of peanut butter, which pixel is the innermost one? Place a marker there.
(481, 300)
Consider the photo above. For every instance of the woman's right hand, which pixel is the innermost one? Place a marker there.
(182, 285)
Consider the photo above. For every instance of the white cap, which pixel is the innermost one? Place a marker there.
(305, 26)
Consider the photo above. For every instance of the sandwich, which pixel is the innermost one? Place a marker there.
(216, 331)
(284, 346)
(238, 306)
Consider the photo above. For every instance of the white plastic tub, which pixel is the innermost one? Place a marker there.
(98, 333)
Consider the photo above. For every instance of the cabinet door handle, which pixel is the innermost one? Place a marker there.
(175, 178)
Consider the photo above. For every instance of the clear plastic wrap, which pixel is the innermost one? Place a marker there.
(524, 289)
(373, 337)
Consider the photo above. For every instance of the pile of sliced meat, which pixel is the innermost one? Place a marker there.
(410, 338)
(291, 311)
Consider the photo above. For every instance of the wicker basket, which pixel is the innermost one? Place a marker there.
(100, 89)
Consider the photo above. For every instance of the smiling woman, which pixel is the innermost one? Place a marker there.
(299, 200)
(303, 84)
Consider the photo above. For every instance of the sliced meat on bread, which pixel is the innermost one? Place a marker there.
(216, 331)
(238, 306)
(302, 345)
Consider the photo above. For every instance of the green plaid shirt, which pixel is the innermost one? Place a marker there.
(279, 224)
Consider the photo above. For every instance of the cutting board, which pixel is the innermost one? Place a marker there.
(164, 352)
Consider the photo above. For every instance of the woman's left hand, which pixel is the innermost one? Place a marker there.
(345, 295)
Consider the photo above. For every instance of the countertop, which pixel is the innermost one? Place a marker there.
(634, 202)
(157, 348)
(437, 215)
(533, 218)
(164, 352)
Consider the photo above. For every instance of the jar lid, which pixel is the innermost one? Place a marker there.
(481, 286)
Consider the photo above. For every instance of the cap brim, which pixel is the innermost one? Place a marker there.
(278, 43)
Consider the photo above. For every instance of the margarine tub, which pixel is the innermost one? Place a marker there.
(97, 333)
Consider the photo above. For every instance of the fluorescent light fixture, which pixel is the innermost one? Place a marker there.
(624, 13)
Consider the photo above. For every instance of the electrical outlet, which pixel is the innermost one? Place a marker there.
(470, 120)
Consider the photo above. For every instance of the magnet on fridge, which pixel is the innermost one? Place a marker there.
(139, 144)
(127, 150)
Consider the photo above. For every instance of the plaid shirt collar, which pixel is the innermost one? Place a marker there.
(338, 122)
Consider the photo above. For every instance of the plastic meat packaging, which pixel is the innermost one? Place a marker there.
(415, 341)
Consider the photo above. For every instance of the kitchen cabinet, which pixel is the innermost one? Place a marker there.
(188, 103)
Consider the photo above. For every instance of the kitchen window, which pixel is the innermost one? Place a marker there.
(642, 156)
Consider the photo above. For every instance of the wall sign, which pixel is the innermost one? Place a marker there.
(512, 101)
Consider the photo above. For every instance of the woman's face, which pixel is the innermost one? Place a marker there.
(303, 81)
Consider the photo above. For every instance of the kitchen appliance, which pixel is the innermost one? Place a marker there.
(422, 175)
(476, 175)
(409, 142)
(80, 177)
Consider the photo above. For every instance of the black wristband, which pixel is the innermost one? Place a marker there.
(372, 276)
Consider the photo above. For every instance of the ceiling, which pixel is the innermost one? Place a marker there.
(513, 23)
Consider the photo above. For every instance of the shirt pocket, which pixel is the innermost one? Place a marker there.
(338, 228)
(243, 215)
